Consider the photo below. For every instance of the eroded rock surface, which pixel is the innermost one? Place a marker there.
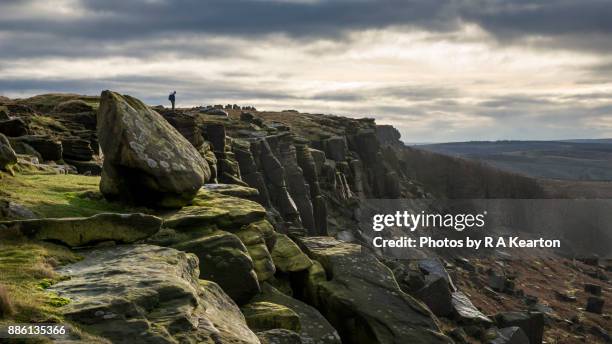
(146, 160)
(82, 231)
(360, 297)
(149, 294)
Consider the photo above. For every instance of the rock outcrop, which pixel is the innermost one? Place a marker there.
(149, 294)
(75, 232)
(8, 157)
(146, 160)
(361, 298)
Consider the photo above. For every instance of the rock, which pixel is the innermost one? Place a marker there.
(565, 297)
(255, 241)
(279, 336)
(595, 304)
(592, 289)
(215, 112)
(459, 336)
(592, 260)
(225, 260)
(8, 158)
(531, 323)
(434, 268)
(465, 311)
(146, 161)
(75, 148)
(361, 299)
(511, 335)
(497, 282)
(287, 255)
(13, 127)
(437, 296)
(233, 190)
(319, 159)
(82, 231)
(90, 168)
(336, 148)
(601, 333)
(73, 106)
(409, 280)
(366, 144)
(4, 114)
(211, 208)
(186, 125)
(314, 328)
(149, 294)
(10, 210)
(387, 134)
(48, 148)
(215, 133)
(263, 316)
(463, 262)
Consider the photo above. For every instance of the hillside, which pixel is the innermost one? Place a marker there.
(587, 160)
(225, 224)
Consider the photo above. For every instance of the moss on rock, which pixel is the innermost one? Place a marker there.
(263, 316)
(287, 255)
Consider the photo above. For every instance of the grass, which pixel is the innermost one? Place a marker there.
(26, 272)
(60, 195)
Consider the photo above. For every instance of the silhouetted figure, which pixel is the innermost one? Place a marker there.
(172, 98)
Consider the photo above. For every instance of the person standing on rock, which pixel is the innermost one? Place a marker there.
(172, 98)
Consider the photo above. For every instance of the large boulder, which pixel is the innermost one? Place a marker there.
(7, 154)
(361, 298)
(149, 294)
(146, 160)
(82, 231)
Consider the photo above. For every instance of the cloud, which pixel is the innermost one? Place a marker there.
(438, 69)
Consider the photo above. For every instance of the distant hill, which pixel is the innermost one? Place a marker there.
(588, 160)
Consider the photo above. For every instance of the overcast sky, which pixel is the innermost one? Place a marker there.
(439, 70)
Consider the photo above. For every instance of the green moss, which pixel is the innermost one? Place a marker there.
(44, 122)
(57, 301)
(47, 102)
(287, 255)
(45, 283)
(60, 195)
(263, 316)
(26, 270)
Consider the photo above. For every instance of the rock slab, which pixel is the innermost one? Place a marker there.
(149, 294)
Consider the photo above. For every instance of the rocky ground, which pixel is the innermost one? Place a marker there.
(222, 224)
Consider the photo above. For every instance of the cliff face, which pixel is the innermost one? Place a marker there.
(252, 256)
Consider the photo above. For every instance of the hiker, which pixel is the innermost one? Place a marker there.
(172, 98)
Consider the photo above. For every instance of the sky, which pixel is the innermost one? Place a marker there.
(438, 70)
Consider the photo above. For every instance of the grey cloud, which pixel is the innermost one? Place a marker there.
(581, 24)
